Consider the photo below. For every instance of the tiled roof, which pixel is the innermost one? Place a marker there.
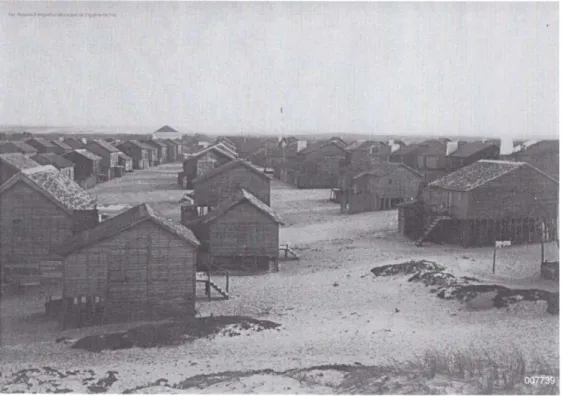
(317, 145)
(229, 165)
(53, 159)
(241, 196)
(476, 174)
(106, 145)
(166, 128)
(59, 187)
(123, 221)
(432, 147)
(470, 148)
(384, 168)
(18, 160)
(42, 141)
(88, 154)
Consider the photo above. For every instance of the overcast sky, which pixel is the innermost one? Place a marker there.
(386, 68)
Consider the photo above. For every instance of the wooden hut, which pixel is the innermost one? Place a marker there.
(407, 155)
(161, 151)
(86, 167)
(203, 162)
(137, 151)
(12, 163)
(152, 153)
(482, 203)
(173, 150)
(64, 165)
(74, 143)
(140, 264)
(109, 155)
(39, 209)
(382, 187)
(319, 163)
(240, 234)
(43, 145)
(543, 155)
(361, 156)
(17, 147)
(125, 161)
(225, 181)
(461, 154)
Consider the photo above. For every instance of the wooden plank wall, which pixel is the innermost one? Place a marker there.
(144, 272)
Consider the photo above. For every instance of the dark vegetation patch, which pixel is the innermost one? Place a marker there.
(173, 333)
(457, 372)
(463, 289)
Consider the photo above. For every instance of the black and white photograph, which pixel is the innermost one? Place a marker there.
(206, 197)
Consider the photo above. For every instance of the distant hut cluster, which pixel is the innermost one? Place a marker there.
(92, 161)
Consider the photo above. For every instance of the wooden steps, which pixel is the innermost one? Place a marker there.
(286, 253)
(204, 278)
(429, 229)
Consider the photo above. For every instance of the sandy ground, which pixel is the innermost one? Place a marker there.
(332, 309)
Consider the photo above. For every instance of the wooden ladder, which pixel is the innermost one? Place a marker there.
(428, 230)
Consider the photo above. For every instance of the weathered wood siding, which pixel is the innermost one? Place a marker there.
(320, 168)
(143, 273)
(244, 230)
(6, 172)
(523, 193)
(109, 160)
(453, 203)
(31, 226)
(211, 192)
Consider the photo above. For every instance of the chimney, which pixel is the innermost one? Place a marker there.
(188, 213)
(85, 220)
(301, 144)
(506, 146)
(452, 147)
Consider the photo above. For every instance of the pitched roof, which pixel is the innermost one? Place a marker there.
(432, 147)
(220, 148)
(42, 141)
(22, 146)
(470, 148)
(74, 142)
(87, 154)
(319, 144)
(124, 156)
(365, 145)
(384, 168)
(135, 143)
(154, 143)
(121, 222)
(56, 186)
(478, 174)
(53, 159)
(166, 128)
(144, 145)
(229, 165)
(18, 160)
(240, 197)
(106, 145)
(62, 145)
